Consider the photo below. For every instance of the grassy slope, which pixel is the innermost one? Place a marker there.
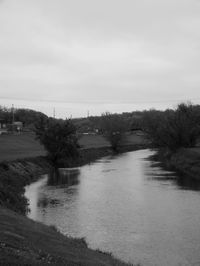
(25, 242)
(14, 147)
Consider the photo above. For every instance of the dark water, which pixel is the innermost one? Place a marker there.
(125, 205)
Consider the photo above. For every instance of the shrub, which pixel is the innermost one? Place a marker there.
(59, 139)
(12, 191)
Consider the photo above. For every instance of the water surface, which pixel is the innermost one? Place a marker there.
(125, 205)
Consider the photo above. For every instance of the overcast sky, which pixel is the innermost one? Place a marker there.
(108, 55)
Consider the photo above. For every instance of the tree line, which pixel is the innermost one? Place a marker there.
(172, 129)
(27, 116)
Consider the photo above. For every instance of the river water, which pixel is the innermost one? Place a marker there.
(126, 205)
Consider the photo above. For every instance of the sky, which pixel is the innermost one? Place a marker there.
(93, 56)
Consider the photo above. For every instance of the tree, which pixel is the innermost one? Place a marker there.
(174, 128)
(113, 127)
(28, 117)
(59, 139)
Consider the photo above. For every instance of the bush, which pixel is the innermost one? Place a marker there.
(12, 191)
(59, 139)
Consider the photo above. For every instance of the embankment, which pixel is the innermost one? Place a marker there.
(25, 242)
(15, 175)
(186, 162)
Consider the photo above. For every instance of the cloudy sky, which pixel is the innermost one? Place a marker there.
(91, 55)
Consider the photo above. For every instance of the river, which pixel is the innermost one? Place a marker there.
(126, 205)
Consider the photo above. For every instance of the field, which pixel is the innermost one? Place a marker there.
(14, 147)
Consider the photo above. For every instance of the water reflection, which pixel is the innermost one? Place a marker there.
(64, 176)
(45, 202)
(182, 182)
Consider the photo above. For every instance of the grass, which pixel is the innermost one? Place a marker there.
(98, 141)
(185, 161)
(25, 242)
(13, 147)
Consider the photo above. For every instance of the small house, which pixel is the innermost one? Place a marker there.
(17, 126)
(2, 124)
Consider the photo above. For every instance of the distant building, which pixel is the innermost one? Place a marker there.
(17, 126)
(3, 126)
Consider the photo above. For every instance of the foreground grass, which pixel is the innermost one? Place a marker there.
(25, 242)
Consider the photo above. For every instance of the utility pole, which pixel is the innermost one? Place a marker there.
(54, 113)
(13, 117)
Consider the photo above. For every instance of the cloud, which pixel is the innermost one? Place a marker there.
(99, 51)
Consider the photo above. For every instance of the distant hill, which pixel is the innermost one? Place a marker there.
(27, 116)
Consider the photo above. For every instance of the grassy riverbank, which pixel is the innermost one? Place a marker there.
(14, 147)
(186, 162)
(15, 174)
(25, 242)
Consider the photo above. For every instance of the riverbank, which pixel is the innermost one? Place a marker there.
(25, 242)
(15, 175)
(186, 162)
(15, 147)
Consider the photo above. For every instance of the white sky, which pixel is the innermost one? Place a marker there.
(108, 55)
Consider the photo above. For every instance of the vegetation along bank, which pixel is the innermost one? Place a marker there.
(25, 242)
(176, 135)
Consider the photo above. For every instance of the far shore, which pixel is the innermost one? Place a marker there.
(185, 162)
(23, 146)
